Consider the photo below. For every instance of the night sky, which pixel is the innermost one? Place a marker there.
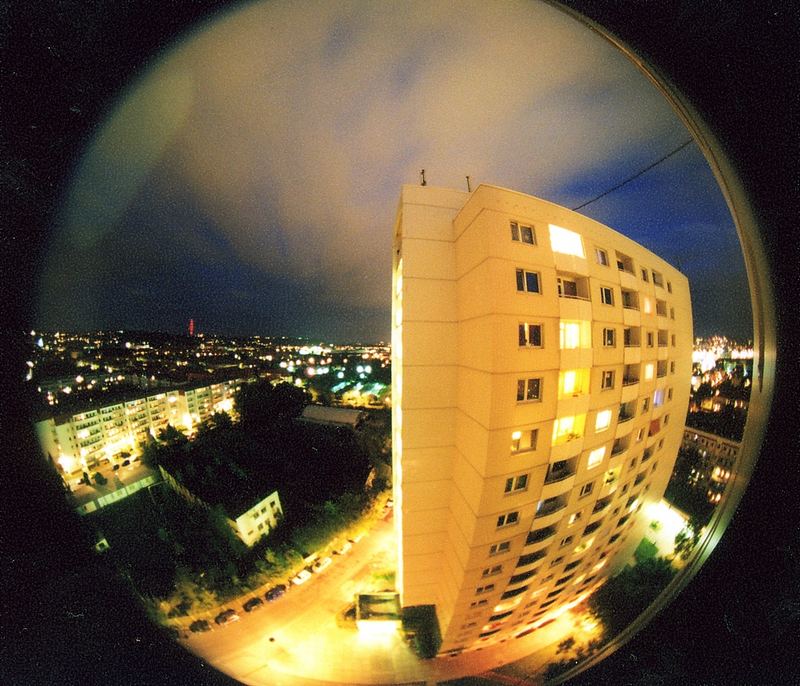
(249, 178)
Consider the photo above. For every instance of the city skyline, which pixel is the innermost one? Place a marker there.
(246, 179)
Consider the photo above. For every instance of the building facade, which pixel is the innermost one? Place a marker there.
(81, 441)
(718, 458)
(541, 368)
(249, 522)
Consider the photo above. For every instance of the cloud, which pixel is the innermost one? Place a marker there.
(295, 124)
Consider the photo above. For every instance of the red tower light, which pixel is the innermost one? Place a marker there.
(191, 327)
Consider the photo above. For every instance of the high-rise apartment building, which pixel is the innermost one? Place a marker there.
(541, 366)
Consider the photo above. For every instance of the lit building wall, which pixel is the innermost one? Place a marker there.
(259, 520)
(81, 441)
(541, 377)
(719, 461)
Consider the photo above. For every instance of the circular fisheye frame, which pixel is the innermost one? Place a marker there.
(501, 467)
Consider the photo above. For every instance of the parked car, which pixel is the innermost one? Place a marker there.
(343, 548)
(321, 565)
(301, 577)
(226, 617)
(252, 604)
(275, 592)
(199, 625)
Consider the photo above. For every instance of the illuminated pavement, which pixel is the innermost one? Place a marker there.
(296, 639)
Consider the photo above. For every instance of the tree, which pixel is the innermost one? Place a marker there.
(687, 538)
(625, 596)
(169, 435)
(262, 407)
(218, 420)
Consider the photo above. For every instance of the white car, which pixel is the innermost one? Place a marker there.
(343, 548)
(301, 577)
(321, 565)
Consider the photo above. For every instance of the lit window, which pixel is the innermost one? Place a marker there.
(648, 372)
(574, 517)
(606, 295)
(602, 421)
(524, 234)
(522, 441)
(570, 335)
(567, 427)
(530, 334)
(602, 256)
(568, 382)
(658, 397)
(596, 457)
(609, 338)
(527, 281)
(648, 306)
(528, 390)
(566, 241)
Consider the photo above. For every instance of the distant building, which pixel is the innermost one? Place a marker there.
(81, 441)
(250, 517)
(541, 366)
(718, 460)
(341, 416)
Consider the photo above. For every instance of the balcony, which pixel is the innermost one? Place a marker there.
(540, 535)
(630, 300)
(550, 506)
(518, 578)
(602, 504)
(618, 447)
(531, 558)
(560, 470)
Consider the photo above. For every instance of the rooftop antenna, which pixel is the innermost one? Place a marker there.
(469, 188)
(422, 173)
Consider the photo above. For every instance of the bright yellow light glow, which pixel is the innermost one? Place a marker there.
(567, 428)
(602, 421)
(596, 457)
(67, 462)
(562, 427)
(569, 381)
(648, 372)
(647, 306)
(377, 629)
(569, 335)
(599, 566)
(566, 241)
(83, 433)
(516, 435)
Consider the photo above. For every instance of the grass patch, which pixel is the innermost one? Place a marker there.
(645, 551)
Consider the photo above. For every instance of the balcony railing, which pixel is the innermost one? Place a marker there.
(630, 380)
(555, 476)
(550, 508)
(624, 417)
